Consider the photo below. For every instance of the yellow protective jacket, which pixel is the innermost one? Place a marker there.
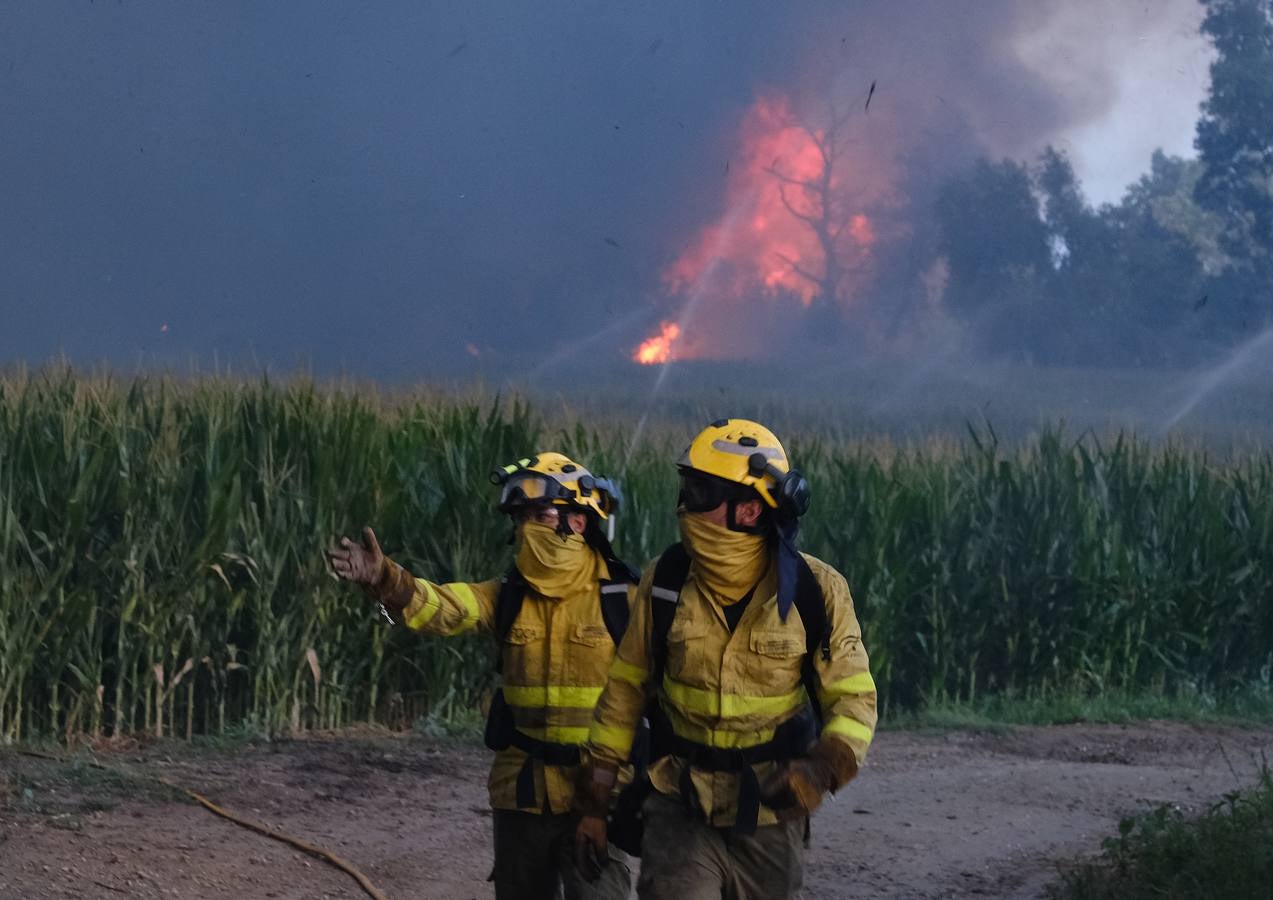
(555, 660)
(732, 690)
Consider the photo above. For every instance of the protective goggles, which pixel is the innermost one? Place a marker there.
(702, 493)
(532, 487)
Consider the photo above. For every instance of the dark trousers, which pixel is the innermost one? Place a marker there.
(534, 860)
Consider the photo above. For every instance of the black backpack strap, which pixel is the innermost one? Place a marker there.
(670, 573)
(614, 608)
(811, 604)
(614, 597)
(512, 591)
(499, 719)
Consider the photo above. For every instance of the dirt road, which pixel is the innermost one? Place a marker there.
(954, 814)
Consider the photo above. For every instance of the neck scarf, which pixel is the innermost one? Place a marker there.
(728, 563)
(555, 565)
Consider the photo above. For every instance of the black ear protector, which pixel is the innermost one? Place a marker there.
(791, 490)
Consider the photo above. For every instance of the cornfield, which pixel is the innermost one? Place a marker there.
(161, 568)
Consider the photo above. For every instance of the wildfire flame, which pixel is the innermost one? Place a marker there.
(658, 349)
(776, 236)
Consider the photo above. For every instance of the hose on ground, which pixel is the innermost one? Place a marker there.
(326, 855)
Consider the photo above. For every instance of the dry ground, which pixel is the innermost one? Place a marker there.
(949, 814)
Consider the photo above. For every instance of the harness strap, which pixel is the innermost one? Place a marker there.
(792, 739)
(549, 754)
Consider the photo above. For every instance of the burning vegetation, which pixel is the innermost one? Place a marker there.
(794, 227)
(658, 349)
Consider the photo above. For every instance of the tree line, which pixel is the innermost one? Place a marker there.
(1180, 266)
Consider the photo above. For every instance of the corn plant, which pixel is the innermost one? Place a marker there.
(161, 547)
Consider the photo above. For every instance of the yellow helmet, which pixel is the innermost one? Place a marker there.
(556, 479)
(747, 453)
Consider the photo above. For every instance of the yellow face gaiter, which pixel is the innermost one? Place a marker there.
(554, 565)
(728, 563)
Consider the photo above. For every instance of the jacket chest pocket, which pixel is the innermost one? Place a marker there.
(523, 652)
(687, 653)
(775, 656)
(589, 650)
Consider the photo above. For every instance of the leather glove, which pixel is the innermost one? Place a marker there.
(591, 847)
(594, 783)
(385, 581)
(797, 787)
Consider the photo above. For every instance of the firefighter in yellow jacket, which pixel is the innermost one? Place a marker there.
(747, 658)
(558, 615)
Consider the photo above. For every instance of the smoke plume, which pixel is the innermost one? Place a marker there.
(405, 189)
(833, 168)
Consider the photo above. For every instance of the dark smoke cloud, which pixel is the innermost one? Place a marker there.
(376, 187)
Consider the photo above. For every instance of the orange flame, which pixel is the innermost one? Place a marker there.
(766, 240)
(658, 349)
(775, 236)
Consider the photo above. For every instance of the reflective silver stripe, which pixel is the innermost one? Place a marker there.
(740, 450)
(659, 593)
(620, 588)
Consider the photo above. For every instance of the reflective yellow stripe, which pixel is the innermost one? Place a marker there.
(557, 734)
(618, 740)
(428, 610)
(717, 737)
(471, 611)
(628, 673)
(861, 683)
(849, 728)
(552, 695)
(729, 706)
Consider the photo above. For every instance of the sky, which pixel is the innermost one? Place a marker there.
(1158, 75)
(405, 189)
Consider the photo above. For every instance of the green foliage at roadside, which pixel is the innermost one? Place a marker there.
(161, 568)
(1226, 854)
(1250, 706)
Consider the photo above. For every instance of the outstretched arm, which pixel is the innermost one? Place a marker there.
(444, 609)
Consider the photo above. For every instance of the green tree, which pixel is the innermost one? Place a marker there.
(1037, 273)
(1087, 289)
(1159, 241)
(996, 248)
(1168, 192)
(1126, 283)
(1235, 144)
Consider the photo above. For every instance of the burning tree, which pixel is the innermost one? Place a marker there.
(811, 191)
(794, 226)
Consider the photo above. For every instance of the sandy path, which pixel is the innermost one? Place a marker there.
(934, 815)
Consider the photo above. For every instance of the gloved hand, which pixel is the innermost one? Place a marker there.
(385, 581)
(594, 782)
(360, 564)
(796, 788)
(591, 847)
